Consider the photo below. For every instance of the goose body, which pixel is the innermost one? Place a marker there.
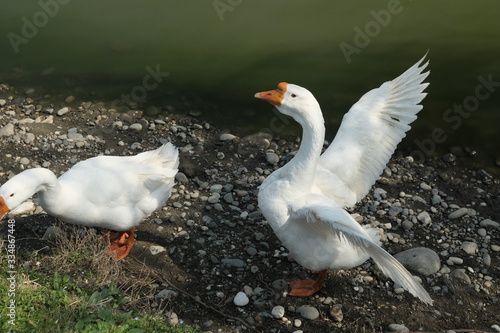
(110, 192)
(304, 200)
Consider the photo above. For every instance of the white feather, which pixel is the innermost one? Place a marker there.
(303, 201)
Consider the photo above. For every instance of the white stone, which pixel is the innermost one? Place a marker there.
(62, 111)
(155, 249)
(136, 127)
(424, 217)
(227, 137)
(167, 293)
(7, 130)
(272, 158)
(241, 299)
(278, 312)
(398, 328)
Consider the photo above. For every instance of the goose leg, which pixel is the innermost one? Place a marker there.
(308, 287)
(120, 243)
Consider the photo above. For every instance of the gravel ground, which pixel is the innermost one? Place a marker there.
(218, 263)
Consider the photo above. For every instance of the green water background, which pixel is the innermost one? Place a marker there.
(219, 53)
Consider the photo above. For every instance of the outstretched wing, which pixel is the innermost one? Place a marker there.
(369, 134)
(342, 224)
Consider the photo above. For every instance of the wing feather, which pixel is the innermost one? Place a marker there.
(343, 225)
(370, 132)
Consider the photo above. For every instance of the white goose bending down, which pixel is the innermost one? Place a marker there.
(111, 192)
(303, 201)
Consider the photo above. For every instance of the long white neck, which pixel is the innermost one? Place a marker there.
(31, 181)
(301, 169)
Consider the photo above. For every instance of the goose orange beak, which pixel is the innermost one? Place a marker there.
(274, 97)
(3, 208)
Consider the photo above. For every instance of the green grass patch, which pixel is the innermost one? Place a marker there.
(72, 291)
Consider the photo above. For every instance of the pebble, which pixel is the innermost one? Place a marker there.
(214, 198)
(495, 248)
(167, 293)
(496, 328)
(481, 232)
(172, 318)
(251, 251)
(454, 261)
(486, 259)
(278, 312)
(469, 247)
(69, 99)
(458, 213)
(398, 328)
(460, 275)
(241, 299)
(227, 137)
(3, 102)
(420, 259)
(280, 285)
(62, 111)
(30, 138)
(233, 262)
(407, 225)
(181, 177)
(272, 158)
(449, 158)
(424, 217)
(135, 127)
(336, 312)
(7, 130)
(24, 161)
(308, 312)
(155, 249)
(486, 223)
(425, 187)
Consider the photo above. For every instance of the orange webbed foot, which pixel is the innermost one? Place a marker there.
(307, 287)
(120, 243)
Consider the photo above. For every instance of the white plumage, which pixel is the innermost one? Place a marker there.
(303, 201)
(111, 192)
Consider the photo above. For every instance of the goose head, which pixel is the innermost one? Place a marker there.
(294, 101)
(19, 188)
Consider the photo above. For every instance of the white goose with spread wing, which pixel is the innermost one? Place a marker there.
(304, 200)
(111, 192)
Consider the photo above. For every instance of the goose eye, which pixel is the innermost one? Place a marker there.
(12, 195)
(293, 95)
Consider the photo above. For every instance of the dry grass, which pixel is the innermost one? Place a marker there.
(83, 252)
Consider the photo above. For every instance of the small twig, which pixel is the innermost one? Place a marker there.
(182, 291)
